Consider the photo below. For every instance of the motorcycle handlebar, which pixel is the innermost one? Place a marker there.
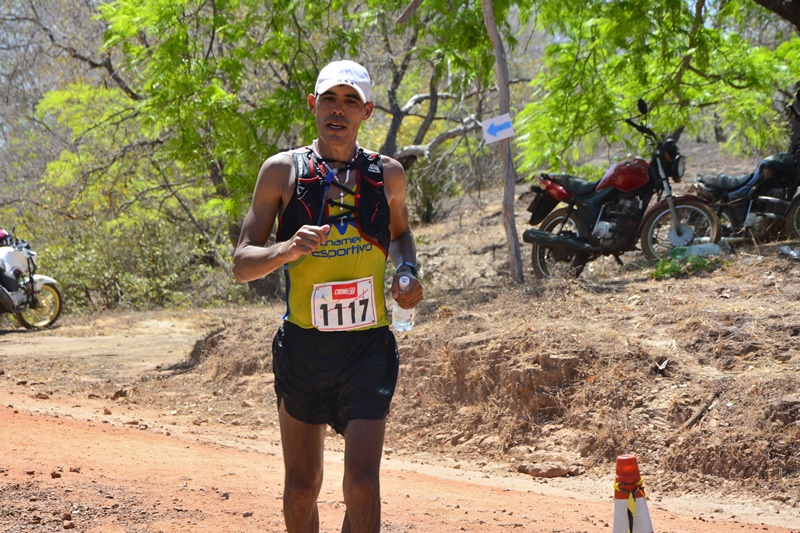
(641, 129)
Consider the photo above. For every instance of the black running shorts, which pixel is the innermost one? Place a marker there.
(333, 377)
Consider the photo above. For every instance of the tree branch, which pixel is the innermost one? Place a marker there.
(194, 220)
(419, 98)
(688, 58)
(105, 64)
(408, 12)
(408, 155)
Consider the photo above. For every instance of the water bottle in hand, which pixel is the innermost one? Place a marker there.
(402, 319)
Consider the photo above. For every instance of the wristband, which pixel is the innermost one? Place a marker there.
(410, 265)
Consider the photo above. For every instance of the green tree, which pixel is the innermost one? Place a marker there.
(187, 98)
(699, 65)
(162, 111)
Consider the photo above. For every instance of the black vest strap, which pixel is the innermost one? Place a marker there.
(371, 211)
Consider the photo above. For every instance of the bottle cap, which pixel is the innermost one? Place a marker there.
(404, 282)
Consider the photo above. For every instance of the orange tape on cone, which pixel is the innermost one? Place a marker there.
(630, 506)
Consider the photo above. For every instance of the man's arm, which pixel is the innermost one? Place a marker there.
(253, 259)
(402, 248)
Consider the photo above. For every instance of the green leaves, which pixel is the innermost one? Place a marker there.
(186, 98)
(693, 63)
(210, 90)
(208, 71)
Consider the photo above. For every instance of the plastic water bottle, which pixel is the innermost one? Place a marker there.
(402, 319)
(702, 250)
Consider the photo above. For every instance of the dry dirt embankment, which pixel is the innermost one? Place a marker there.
(103, 439)
(166, 421)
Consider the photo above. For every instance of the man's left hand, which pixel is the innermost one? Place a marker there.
(412, 295)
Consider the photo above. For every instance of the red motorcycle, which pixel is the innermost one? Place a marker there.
(611, 216)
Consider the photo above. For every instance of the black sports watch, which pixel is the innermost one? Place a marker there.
(410, 265)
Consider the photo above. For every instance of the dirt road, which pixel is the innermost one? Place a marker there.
(92, 439)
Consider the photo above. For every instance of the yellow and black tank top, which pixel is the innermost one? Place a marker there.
(341, 285)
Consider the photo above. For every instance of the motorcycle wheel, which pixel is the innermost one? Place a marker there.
(552, 262)
(47, 312)
(727, 222)
(658, 236)
(792, 226)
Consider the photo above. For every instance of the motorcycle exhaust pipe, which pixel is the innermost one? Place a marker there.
(546, 238)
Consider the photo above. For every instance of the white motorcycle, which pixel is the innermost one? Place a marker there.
(34, 300)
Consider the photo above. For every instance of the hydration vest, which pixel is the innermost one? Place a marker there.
(310, 204)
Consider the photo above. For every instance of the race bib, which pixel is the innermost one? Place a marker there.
(343, 305)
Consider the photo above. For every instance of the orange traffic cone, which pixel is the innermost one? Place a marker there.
(630, 506)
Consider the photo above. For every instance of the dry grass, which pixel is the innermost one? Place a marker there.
(612, 363)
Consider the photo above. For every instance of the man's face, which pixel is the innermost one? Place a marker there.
(339, 112)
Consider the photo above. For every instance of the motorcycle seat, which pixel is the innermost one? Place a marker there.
(572, 184)
(724, 182)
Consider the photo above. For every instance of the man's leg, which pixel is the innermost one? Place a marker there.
(303, 449)
(363, 450)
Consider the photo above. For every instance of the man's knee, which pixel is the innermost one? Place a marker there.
(303, 490)
(361, 489)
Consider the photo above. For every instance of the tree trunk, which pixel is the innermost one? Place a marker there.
(788, 10)
(501, 70)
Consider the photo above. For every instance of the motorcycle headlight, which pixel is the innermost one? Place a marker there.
(675, 164)
(680, 166)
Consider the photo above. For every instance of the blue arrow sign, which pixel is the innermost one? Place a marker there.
(497, 128)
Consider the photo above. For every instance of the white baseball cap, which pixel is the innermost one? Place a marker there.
(345, 73)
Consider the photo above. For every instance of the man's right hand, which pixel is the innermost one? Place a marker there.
(306, 241)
